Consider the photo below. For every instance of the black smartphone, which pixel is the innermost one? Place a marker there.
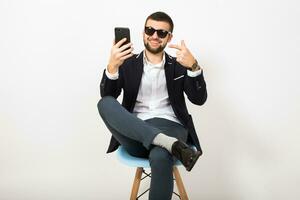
(120, 33)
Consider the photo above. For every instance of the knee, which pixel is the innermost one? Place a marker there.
(160, 158)
(104, 103)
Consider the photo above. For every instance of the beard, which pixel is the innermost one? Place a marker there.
(154, 50)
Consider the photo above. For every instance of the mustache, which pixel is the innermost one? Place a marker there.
(156, 40)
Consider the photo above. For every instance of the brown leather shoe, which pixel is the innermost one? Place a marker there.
(186, 154)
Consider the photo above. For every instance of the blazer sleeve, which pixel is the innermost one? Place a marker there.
(110, 87)
(195, 89)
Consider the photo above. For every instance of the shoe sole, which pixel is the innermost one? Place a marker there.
(194, 160)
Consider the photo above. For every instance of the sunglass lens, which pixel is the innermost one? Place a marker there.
(162, 33)
(149, 31)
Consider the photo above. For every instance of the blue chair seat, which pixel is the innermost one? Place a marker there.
(133, 161)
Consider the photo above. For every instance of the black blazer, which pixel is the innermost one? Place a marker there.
(178, 83)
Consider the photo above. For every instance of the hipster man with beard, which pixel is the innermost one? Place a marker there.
(153, 121)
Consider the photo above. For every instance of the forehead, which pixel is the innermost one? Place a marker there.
(158, 24)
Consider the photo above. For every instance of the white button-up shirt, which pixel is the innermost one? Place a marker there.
(153, 99)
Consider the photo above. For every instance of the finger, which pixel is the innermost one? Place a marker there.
(127, 56)
(126, 52)
(183, 43)
(121, 42)
(174, 46)
(122, 48)
(179, 59)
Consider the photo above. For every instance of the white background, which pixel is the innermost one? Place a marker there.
(52, 54)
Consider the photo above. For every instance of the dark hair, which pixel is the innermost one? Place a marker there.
(161, 16)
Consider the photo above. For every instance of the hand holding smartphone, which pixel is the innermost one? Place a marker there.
(119, 52)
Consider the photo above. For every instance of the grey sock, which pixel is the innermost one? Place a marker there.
(164, 141)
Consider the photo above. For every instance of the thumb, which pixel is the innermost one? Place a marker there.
(175, 46)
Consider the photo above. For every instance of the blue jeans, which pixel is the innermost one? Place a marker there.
(136, 136)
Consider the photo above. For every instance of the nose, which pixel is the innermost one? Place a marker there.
(155, 35)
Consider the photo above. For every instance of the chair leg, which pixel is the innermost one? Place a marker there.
(136, 183)
(179, 183)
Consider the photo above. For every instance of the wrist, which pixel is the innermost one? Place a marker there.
(195, 66)
(112, 69)
(196, 69)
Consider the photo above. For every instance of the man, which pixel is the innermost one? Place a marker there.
(153, 120)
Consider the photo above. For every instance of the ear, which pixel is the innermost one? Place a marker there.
(170, 37)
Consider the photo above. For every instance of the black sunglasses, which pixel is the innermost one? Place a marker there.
(160, 32)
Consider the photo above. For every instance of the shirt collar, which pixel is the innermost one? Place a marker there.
(158, 65)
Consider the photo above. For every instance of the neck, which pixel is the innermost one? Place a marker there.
(154, 58)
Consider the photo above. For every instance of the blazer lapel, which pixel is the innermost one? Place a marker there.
(169, 72)
(136, 76)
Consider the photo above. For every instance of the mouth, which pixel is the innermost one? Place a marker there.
(154, 42)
